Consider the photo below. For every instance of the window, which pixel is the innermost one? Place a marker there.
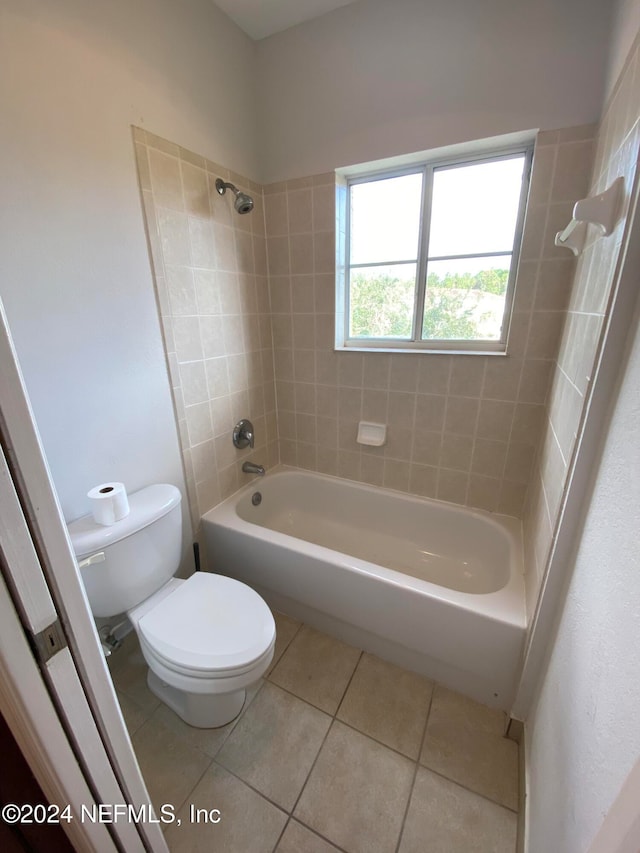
(431, 253)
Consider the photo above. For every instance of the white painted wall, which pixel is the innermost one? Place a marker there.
(625, 26)
(379, 78)
(583, 736)
(75, 277)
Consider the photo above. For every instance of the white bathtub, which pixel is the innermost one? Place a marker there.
(428, 585)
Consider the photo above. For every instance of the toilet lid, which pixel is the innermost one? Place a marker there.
(210, 622)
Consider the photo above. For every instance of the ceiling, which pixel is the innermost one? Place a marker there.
(262, 18)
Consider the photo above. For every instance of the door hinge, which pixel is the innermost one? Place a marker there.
(49, 642)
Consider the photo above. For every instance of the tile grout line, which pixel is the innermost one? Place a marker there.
(374, 740)
(469, 790)
(347, 724)
(139, 707)
(319, 835)
(279, 838)
(324, 740)
(274, 664)
(250, 786)
(386, 745)
(200, 778)
(212, 760)
(300, 699)
(415, 771)
(261, 794)
(237, 720)
(289, 813)
(310, 829)
(346, 689)
(448, 779)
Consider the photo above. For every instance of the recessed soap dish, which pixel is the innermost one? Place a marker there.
(375, 435)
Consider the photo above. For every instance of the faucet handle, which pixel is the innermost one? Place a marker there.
(243, 434)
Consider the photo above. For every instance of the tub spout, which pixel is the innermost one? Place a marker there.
(251, 468)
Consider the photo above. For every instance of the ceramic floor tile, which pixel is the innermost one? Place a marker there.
(298, 839)
(317, 668)
(467, 712)
(445, 818)
(129, 674)
(133, 714)
(388, 703)
(208, 741)
(464, 743)
(128, 654)
(248, 823)
(357, 793)
(170, 768)
(275, 744)
(286, 629)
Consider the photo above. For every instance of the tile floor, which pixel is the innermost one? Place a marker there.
(335, 750)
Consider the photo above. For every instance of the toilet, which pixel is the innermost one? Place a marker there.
(205, 639)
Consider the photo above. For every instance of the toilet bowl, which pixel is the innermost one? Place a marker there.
(205, 639)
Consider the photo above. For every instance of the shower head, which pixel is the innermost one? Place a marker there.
(243, 202)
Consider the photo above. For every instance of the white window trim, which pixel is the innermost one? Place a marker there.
(455, 156)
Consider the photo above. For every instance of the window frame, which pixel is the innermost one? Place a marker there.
(427, 167)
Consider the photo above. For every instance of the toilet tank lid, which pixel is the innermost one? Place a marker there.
(145, 506)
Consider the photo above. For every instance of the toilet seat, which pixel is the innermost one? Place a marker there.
(209, 626)
(161, 664)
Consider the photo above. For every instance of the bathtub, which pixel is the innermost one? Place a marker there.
(431, 586)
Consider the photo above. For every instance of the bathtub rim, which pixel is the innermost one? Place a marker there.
(505, 605)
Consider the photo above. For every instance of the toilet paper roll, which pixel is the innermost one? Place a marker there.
(109, 503)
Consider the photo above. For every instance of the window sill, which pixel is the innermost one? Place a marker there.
(420, 350)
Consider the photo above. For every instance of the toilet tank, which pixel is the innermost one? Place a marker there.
(133, 558)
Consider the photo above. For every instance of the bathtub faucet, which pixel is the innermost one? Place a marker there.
(251, 468)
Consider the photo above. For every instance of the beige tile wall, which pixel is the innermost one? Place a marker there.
(460, 428)
(242, 332)
(211, 286)
(617, 146)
